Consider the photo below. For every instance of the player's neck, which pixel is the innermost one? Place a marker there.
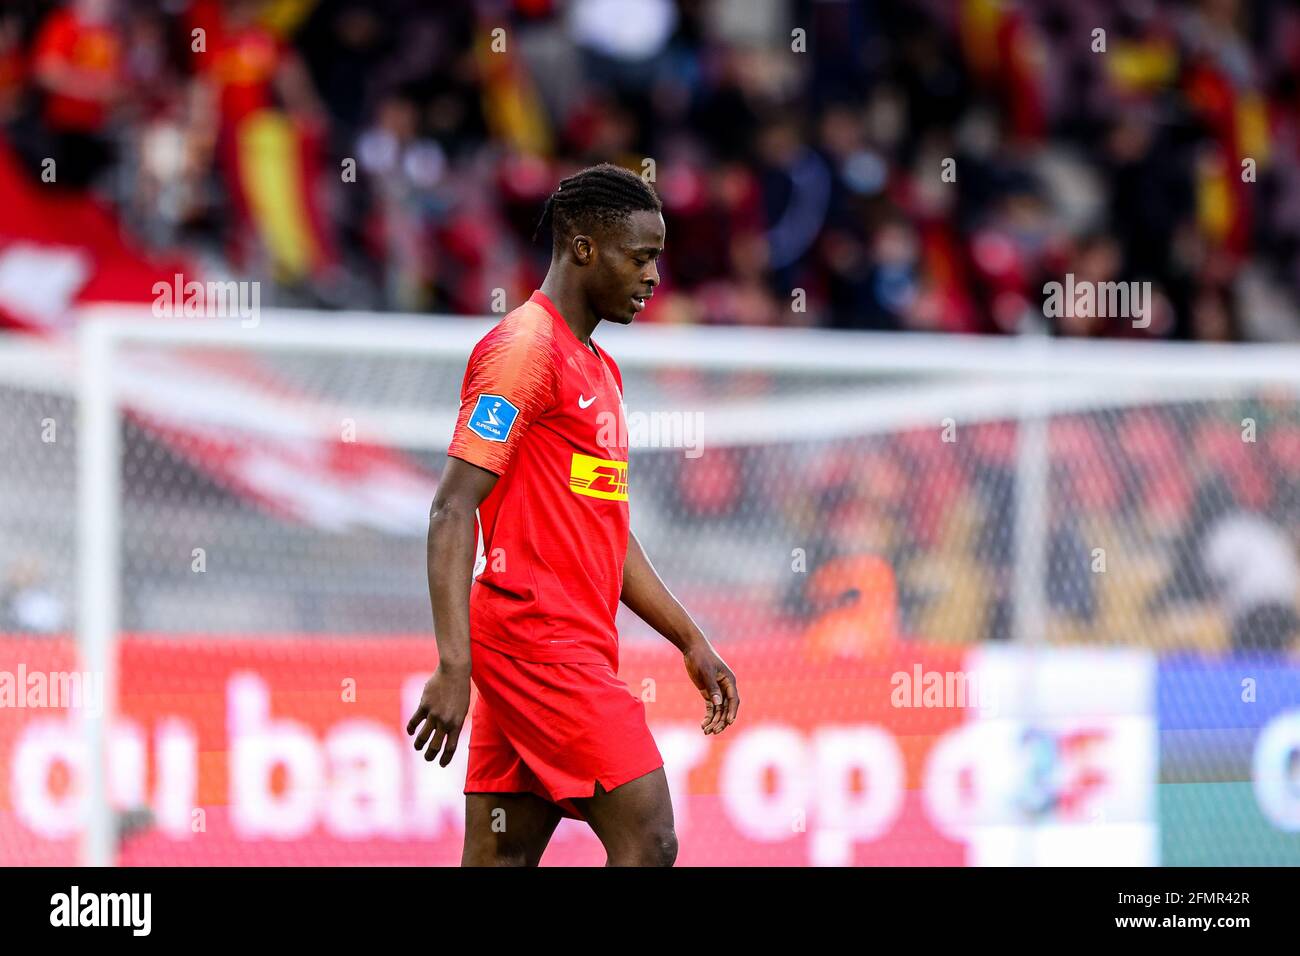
(572, 306)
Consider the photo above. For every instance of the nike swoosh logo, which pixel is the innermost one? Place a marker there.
(584, 402)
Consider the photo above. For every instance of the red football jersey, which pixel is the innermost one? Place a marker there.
(545, 412)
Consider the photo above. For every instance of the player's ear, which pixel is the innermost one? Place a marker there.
(583, 249)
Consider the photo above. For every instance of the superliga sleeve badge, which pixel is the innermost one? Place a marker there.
(492, 418)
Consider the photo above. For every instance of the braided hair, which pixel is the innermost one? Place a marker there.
(598, 196)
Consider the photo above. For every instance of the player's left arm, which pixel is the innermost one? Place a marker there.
(645, 593)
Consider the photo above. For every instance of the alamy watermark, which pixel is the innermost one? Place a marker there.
(1103, 300)
(212, 300)
(132, 911)
(653, 430)
(65, 689)
(923, 688)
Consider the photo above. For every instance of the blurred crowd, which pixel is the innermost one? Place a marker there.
(923, 165)
(1163, 529)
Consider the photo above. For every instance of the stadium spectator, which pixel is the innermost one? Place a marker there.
(28, 604)
(1253, 564)
(77, 71)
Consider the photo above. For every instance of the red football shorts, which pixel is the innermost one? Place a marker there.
(554, 730)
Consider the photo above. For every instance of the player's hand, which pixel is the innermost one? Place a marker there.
(717, 685)
(443, 706)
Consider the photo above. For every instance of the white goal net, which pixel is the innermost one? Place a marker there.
(1098, 540)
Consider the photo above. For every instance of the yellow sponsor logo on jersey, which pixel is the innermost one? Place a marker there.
(598, 477)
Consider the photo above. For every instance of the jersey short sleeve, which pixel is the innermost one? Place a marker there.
(511, 380)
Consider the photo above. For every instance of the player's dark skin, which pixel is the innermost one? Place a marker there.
(592, 277)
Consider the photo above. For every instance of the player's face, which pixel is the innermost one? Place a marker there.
(627, 272)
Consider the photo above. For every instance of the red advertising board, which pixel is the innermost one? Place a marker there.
(292, 750)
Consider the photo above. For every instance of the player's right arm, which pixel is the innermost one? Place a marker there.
(453, 540)
(509, 382)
